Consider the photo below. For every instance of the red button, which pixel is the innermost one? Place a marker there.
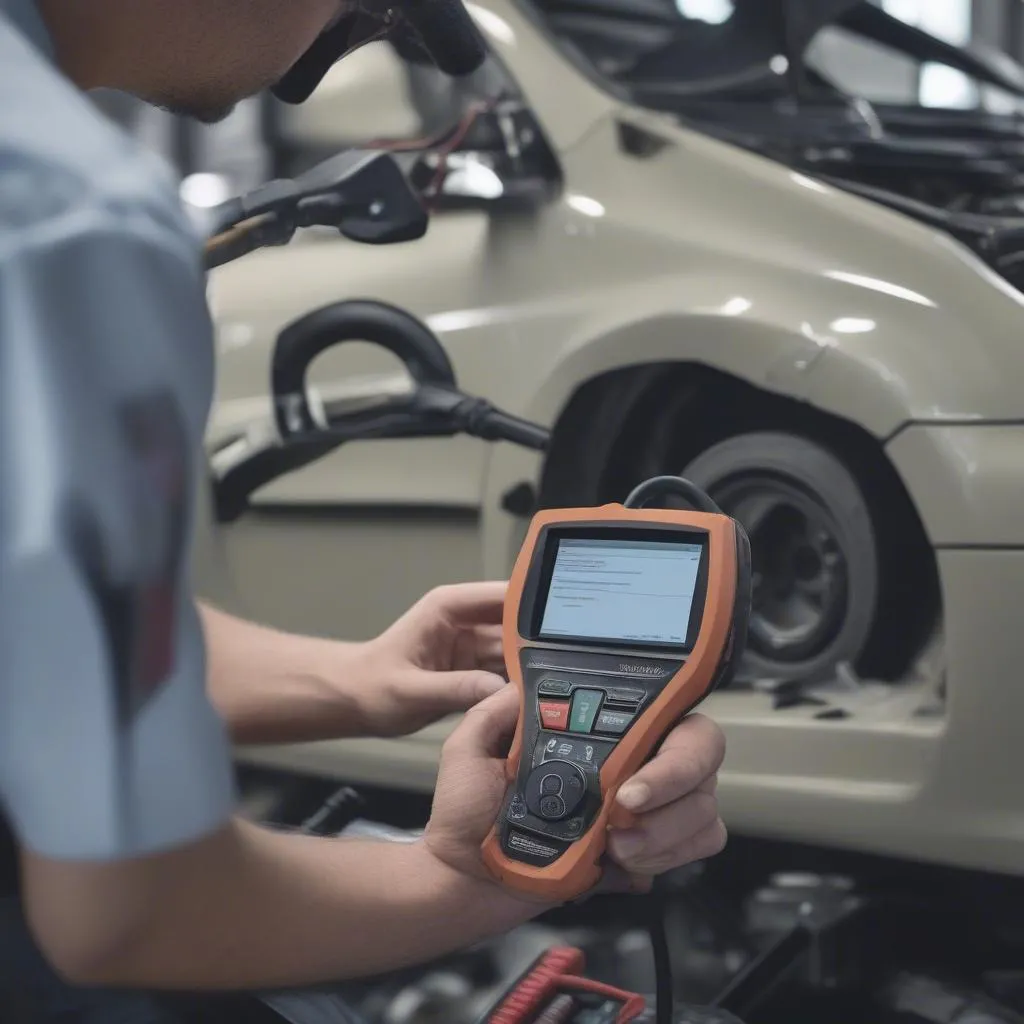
(554, 714)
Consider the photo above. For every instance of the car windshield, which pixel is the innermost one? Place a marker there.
(668, 53)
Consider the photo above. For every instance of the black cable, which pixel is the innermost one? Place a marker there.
(671, 486)
(664, 989)
(657, 488)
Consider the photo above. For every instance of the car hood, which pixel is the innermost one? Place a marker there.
(804, 19)
(694, 226)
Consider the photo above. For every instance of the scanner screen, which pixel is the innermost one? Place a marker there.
(631, 590)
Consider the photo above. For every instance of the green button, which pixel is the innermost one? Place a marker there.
(585, 705)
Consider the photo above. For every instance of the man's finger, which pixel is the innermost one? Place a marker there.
(450, 692)
(660, 834)
(692, 752)
(467, 604)
(708, 842)
(486, 729)
(489, 649)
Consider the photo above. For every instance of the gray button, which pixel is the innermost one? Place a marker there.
(614, 723)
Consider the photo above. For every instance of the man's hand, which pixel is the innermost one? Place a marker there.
(671, 800)
(443, 656)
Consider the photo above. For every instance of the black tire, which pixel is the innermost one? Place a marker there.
(815, 553)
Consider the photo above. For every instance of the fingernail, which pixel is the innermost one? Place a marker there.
(634, 795)
(626, 844)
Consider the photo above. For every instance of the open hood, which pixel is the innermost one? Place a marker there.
(704, 58)
(986, 64)
(804, 19)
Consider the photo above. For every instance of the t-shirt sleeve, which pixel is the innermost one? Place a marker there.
(109, 746)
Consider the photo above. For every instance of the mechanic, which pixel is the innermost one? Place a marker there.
(119, 695)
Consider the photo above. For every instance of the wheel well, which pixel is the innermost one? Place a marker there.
(628, 424)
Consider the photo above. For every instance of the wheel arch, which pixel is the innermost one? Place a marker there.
(625, 424)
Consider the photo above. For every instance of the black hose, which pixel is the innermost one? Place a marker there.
(365, 320)
(664, 989)
(659, 487)
(495, 425)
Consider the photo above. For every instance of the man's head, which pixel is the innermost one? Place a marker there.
(197, 57)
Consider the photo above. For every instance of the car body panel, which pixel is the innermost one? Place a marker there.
(862, 311)
(698, 253)
(967, 482)
(897, 778)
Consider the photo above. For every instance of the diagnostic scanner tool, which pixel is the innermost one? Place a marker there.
(619, 620)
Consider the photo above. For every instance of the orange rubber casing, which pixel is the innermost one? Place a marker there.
(579, 869)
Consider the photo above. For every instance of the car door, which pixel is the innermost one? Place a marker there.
(344, 545)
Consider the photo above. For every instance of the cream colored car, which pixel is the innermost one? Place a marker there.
(846, 380)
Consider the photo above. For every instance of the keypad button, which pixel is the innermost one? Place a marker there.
(551, 785)
(625, 696)
(552, 808)
(559, 781)
(590, 752)
(554, 714)
(613, 723)
(557, 687)
(517, 808)
(585, 705)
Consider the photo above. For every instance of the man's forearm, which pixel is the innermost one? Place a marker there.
(254, 909)
(273, 687)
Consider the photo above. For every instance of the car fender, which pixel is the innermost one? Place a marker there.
(899, 361)
(761, 353)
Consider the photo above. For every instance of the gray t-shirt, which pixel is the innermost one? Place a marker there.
(109, 747)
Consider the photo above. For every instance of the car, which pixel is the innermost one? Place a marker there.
(841, 375)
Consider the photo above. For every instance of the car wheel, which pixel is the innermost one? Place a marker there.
(813, 548)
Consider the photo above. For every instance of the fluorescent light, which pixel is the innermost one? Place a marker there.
(714, 12)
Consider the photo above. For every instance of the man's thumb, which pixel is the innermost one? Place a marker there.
(459, 691)
(486, 729)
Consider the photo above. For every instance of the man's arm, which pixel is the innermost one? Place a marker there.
(275, 687)
(248, 908)
(115, 770)
(441, 657)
